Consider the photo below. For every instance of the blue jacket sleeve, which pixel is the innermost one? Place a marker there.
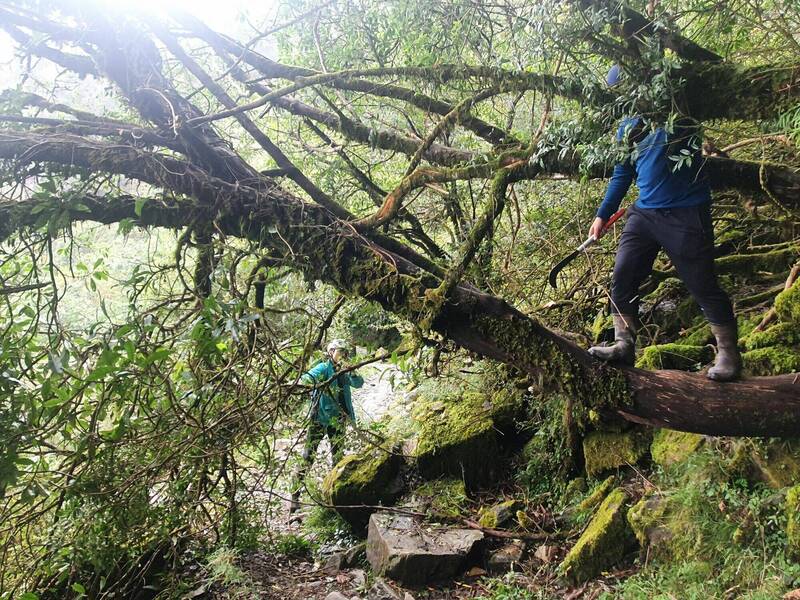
(619, 185)
(356, 380)
(622, 178)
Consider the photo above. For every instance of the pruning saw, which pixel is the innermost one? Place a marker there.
(589, 242)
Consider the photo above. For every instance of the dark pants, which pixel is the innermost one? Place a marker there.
(687, 237)
(314, 436)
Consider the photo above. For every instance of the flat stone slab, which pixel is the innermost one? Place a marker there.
(402, 549)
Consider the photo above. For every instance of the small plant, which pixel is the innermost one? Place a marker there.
(291, 544)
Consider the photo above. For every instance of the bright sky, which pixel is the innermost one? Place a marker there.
(239, 18)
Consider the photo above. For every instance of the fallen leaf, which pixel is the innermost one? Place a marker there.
(793, 595)
(476, 572)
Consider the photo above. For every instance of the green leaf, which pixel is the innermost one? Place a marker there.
(77, 587)
(28, 596)
(139, 205)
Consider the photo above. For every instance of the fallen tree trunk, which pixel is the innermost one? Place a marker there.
(329, 250)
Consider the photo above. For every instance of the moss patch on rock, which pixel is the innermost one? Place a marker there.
(675, 356)
(499, 514)
(370, 477)
(604, 450)
(604, 543)
(777, 463)
(447, 497)
(774, 360)
(671, 447)
(457, 433)
(793, 523)
(598, 494)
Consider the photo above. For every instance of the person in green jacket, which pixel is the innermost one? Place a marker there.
(331, 409)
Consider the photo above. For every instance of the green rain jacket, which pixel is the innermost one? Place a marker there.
(329, 401)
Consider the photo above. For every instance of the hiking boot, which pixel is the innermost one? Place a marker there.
(728, 365)
(623, 350)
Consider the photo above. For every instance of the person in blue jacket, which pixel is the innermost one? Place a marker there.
(331, 409)
(673, 212)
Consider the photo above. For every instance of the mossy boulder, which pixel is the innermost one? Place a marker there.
(787, 304)
(774, 360)
(777, 463)
(458, 433)
(651, 520)
(606, 540)
(675, 356)
(598, 494)
(782, 334)
(793, 523)
(499, 514)
(604, 450)
(371, 477)
(671, 447)
(698, 335)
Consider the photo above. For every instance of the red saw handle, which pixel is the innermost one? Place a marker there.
(614, 218)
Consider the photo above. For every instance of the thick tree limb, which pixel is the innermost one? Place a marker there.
(327, 249)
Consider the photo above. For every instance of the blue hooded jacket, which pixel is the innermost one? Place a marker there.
(329, 400)
(660, 184)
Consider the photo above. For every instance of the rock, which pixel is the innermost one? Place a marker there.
(793, 523)
(606, 450)
(598, 494)
(353, 556)
(604, 542)
(358, 578)
(401, 549)
(650, 520)
(442, 496)
(333, 564)
(457, 433)
(506, 558)
(371, 477)
(575, 488)
(499, 514)
(546, 553)
(777, 463)
(382, 591)
(336, 596)
(671, 447)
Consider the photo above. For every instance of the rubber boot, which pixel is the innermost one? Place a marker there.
(623, 350)
(728, 365)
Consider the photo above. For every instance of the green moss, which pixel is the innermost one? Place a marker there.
(675, 356)
(598, 494)
(575, 488)
(499, 514)
(698, 336)
(602, 324)
(447, 497)
(456, 435)
(771, 361)
(670, 447)
(745, 266)
(605, 450)
(777, 462)
(368, 478)
(787, 304)
(782, 334)
(604, 542)
(793, 523)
